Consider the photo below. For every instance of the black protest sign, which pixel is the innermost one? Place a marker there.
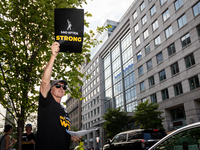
(69, 28)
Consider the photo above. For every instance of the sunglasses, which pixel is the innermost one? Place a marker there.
(63, 86)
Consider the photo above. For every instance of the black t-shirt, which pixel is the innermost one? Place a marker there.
(53, 120)
(26, 144)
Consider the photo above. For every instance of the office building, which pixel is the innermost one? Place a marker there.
(154, 54)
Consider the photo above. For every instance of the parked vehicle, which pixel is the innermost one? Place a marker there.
(138, 139)
(185, 138)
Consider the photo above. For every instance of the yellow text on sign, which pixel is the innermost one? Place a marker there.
(68, 38)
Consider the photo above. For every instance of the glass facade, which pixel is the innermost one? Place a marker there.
(119, 75)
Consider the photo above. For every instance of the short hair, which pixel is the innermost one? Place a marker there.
(29, 125)
(7, 127)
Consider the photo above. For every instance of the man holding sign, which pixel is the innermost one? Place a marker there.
(53, 119)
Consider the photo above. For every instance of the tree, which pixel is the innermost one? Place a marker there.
(116, 121)
(26, 34)
(147, 116)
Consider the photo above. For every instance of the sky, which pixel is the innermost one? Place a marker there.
(102, 10)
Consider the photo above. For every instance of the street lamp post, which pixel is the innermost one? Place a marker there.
(101, 138)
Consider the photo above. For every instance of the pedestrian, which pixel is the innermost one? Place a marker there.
(53, 119)
(5, 143)
(28, 138)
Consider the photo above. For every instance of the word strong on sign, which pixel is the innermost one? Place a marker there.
(69, 29)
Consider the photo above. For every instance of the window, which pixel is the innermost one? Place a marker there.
(118, 88)
(178, 4)
(157, 41)
(162, 2)
(126, 55)
(194, 82)
(144, 20)
(166, 15)
(134, 135)
(136, 28)
(129, 80)
(126, 41)
(140, 70)
(196, 9)
(153, 10)
(115, 52)
(135, 15)
(116, 64)
(128, 67)
(139, 55)
(174, 68)
(142, 6)
(165, 94)
(146, 33)
(185, 40)
(149, 65)
(122, 137)
(171, 49)
(198, 30)
(151, 81)
(159, 58)
(178, 89)
(107, 83)
(106, 61)
(155, 25)
(177, 113)
(107, 73)
(147, 49)
(182, 21)
(162, 75)
(168, 32)
(119, 101)
(142, 86)
(154, 98)
(189, 60)
(137, 41)
(131, 94)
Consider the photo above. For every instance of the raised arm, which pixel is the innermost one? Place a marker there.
(45, 85)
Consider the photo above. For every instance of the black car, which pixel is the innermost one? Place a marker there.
(138, 139)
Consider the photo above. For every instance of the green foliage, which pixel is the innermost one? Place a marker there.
(73, 128)
(147, 116)
(27, 31)
(26, 34)
(116, 121)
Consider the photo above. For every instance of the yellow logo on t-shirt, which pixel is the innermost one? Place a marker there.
(64, 122)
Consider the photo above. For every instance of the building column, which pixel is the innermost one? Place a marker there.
(192, 111)
(94, 140)
(167, 123)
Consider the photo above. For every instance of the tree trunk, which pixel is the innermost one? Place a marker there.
(20, 128)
